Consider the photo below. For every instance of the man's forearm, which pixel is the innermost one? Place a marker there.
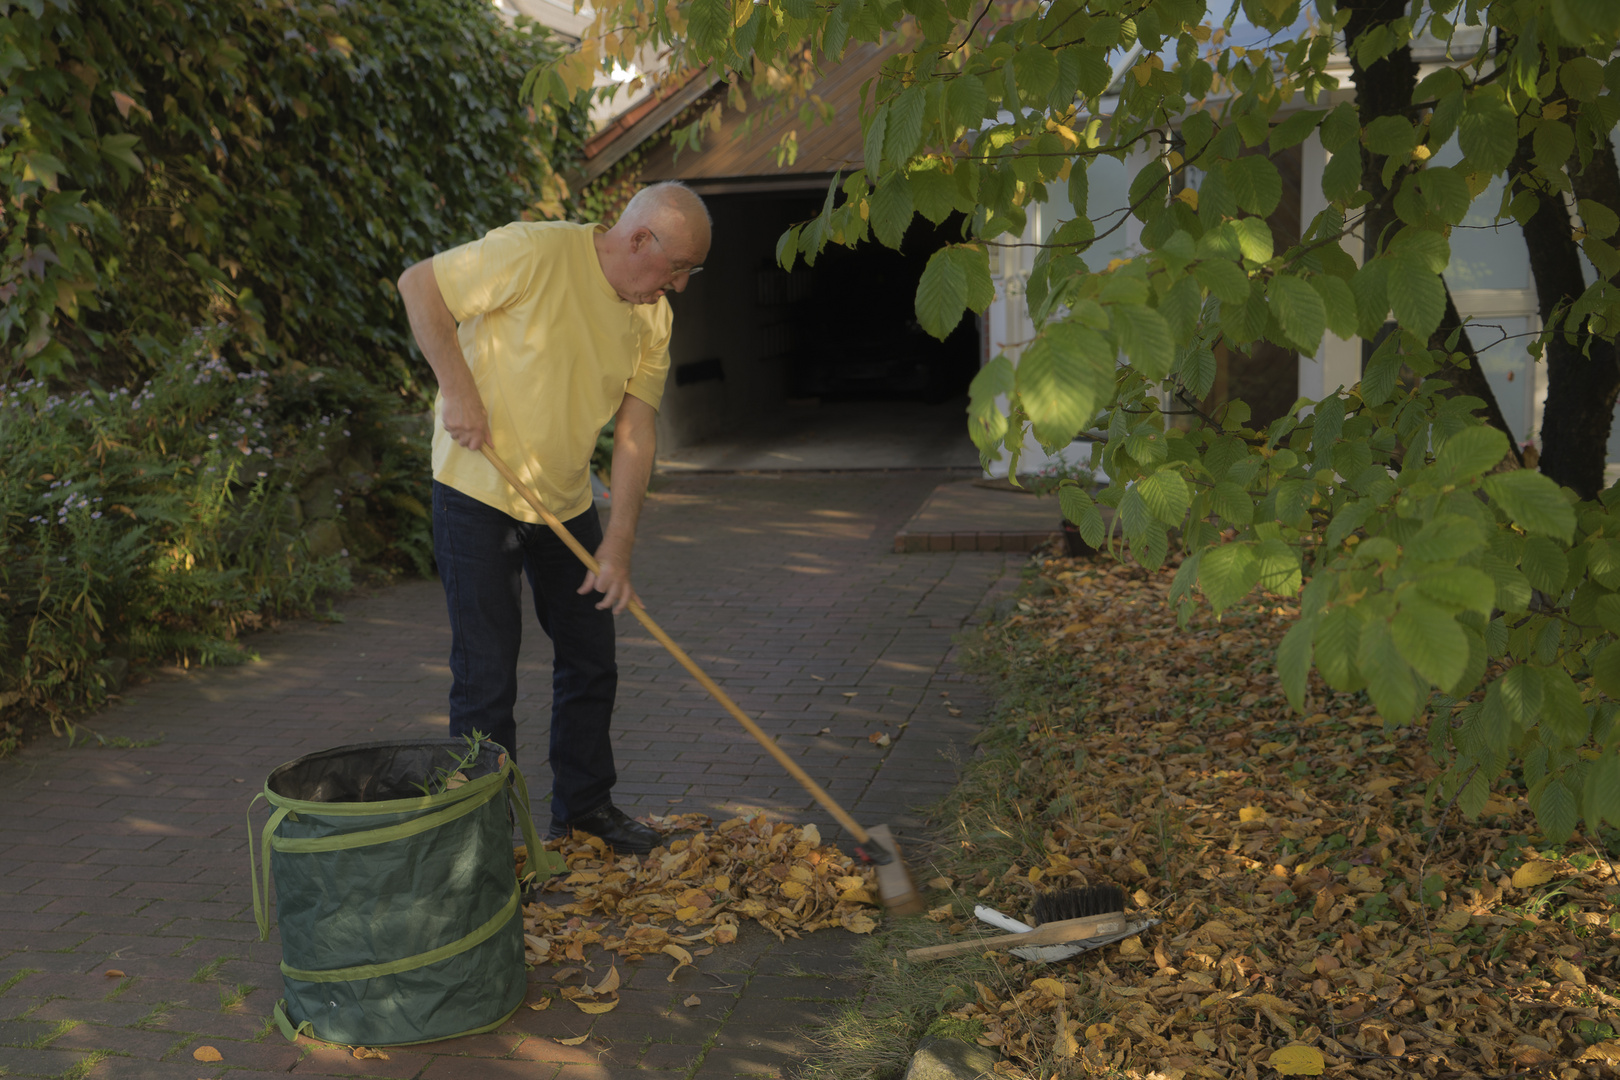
(435, 330)
(634, 449)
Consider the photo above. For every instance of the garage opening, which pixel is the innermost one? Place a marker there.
(823, 367)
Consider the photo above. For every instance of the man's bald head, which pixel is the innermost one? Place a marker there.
(662, 235)
(672, 210)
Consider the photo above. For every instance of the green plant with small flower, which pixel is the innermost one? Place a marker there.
(158, 525)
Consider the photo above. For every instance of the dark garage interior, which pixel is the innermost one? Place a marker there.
(758, 350)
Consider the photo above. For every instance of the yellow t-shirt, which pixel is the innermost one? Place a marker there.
(553, 350)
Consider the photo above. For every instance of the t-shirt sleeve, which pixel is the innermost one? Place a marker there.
(653, 368)
(489, 273)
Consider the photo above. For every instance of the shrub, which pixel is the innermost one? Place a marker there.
(158, 524)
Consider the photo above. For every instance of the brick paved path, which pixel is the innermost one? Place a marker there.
(784, 588)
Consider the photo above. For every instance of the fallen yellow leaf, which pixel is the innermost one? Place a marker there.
(1051, 988)
(576, 1040)
(1252, 813)
(207, 1053)
(596, 1008)
(1298, 1060)
(1533, 873)
(682, 959)
(609, 983)
(367, 1052)
(692, 1001)
(543, 1003)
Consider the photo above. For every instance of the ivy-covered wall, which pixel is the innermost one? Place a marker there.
(170, 164)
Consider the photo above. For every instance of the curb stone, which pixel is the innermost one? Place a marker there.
(941, 1058)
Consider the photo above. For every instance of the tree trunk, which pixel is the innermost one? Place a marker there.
(1384, 88)
(1583, 371)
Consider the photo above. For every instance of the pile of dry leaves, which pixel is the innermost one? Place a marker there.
(692, 894)
(1309, 923)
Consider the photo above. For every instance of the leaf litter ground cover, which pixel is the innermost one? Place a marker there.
(1314, 921)
(687, 897)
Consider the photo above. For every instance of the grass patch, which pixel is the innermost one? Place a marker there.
(83, 1067)
(156, 1016)
(18, 977)
(232, 998)
(62, 1028)
(123, 985)
(209, 970)
(875, 1038)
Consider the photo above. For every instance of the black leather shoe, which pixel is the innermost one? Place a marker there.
(622, 833)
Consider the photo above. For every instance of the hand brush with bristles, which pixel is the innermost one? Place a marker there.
(1063, 916)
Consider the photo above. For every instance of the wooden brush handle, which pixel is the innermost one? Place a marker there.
(794, 770)
(1051, 934)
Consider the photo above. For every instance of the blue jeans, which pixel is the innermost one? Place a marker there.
(482, 555)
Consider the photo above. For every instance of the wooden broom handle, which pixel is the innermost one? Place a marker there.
(839, 814)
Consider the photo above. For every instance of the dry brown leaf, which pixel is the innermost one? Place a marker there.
(576, 1040)
(878, 738)
(541, 1003)
(207, 1053)
(692, 1002)
(113, 973)
(370, 1053)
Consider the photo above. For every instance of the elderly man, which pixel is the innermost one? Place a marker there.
(561, 328)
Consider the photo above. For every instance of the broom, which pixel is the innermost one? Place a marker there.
(875, 845)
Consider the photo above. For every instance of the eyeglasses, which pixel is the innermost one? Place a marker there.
(689, 271)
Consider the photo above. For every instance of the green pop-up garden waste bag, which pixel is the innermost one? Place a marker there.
(396, 892)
